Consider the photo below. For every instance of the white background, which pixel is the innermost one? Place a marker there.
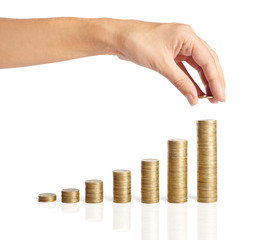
(64, 123)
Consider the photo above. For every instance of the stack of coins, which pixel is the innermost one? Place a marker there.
(70, 195)
(150, 180)
(121, 186)
(207, 161)
(46, 197)
(93, 191)
(177, 171)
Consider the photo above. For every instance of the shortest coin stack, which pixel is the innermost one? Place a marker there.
(121, 186)
(46, 197)
(70, 195)
(93, 191)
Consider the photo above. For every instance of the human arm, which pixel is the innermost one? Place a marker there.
(159, 46)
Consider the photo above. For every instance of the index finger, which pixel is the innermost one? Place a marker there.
(203, 57)
(221, 74)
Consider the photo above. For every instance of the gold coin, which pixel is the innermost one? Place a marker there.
(205, 96)
(150, 181)
(207, 160)
(46, 197)
(177, 171)
(93, 191)
(121, 186)
(70, 190)
(70, 195)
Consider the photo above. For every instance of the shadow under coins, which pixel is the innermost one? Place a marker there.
(150, 221)
(94, 212)
(177, 221)
(122, 217)
(207, 221)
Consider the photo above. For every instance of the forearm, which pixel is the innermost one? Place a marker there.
(25, 42)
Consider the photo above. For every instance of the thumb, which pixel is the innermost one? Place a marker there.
(181, 81)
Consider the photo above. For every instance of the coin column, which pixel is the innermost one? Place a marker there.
(149, 180)
(207, 161)
(93, 191)
(70, 195)
(46, 197)
(121, 186)
(177, 171)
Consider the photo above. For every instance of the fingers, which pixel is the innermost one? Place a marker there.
(204, 58)
(221, 74)
(180, 78)
(183, 68)
(193, 64)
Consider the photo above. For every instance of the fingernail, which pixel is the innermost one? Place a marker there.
(190, 99)
(218, 92)
(223, 95)
(214, 101)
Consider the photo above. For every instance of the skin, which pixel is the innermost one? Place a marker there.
(161, 47)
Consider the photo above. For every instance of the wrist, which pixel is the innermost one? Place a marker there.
(121, 36)
(103, 36)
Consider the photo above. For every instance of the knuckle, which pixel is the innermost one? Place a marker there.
(213, 78)
(186, 28)
(180, 83)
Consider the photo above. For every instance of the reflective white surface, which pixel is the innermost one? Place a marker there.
(70, 207)
(155, 221)
(207, 221)
(177, 221)
(121, 217)
(47, 205)
(94, 211)
(150, 221)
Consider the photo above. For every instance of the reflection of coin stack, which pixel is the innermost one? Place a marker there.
(150, 221)
(121, 186)
(150, 180)
(207, 221)
(93, 212)
(207, 161)
(70, 195)
(93, 191)
(121, 217)
(177, 221)
(177, 171)
(46, 197)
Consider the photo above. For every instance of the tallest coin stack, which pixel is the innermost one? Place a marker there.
(207, 161)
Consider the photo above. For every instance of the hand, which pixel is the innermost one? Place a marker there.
(163, 47)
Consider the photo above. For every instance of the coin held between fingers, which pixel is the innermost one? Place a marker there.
(205, 96)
